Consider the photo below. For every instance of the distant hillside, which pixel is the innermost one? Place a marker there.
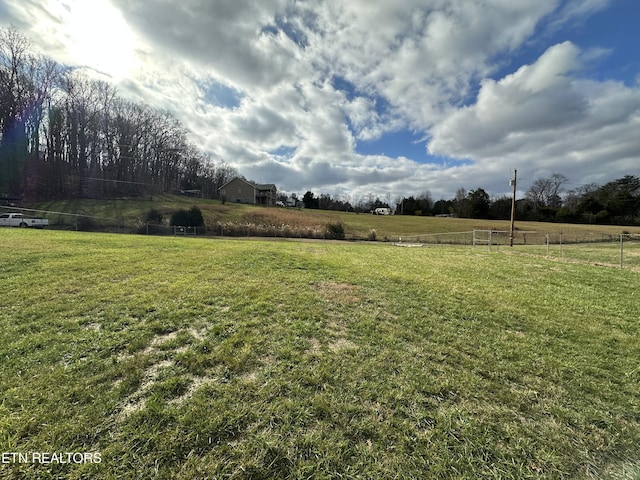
(127, 215)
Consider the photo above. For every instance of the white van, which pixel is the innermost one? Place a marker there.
(382, 211)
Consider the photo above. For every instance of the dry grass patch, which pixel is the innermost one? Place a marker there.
(161, 371)
(341, 344)
(339, 292)
(137, 400)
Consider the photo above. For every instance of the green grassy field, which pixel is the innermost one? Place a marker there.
(231, 359)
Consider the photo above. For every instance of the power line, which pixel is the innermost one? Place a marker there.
(51, 212)
(113, 181)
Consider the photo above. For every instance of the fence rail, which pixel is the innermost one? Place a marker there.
(611, 249)
(447, 238)
(621, 250)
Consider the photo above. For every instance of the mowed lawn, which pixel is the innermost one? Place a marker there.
(230, 359)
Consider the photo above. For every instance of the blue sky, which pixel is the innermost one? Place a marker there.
(221, 95)
(371, 96)
(402, 143)
(614, 28)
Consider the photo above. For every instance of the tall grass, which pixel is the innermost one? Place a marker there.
(199, 358)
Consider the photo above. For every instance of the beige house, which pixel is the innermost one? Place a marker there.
(242, 191)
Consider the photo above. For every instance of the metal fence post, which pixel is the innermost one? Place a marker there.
(547, 244)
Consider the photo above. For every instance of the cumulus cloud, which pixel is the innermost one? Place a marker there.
(536, 97)
(224, 37)
(546, 115)
(285, 90)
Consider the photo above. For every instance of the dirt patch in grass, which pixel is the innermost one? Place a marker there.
(137, 400)
(342, 344)
(339, 292)
(195, 384)
(198, 334)
(314, 346)
(160, 340)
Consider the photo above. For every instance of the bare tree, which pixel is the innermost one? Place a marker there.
(26, 81)
(460, 203)
(575, 196)
(545, 192)
(87, 105)
(66, 134)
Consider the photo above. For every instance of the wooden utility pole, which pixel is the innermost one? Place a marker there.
(513, 207)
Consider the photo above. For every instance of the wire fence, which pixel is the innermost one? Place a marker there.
(620, 250)
(447, 238)
(600, 248)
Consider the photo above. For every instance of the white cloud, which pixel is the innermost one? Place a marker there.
(545, 118)
(418, 58)
(577, 11)
(536, 97)
(411, 64)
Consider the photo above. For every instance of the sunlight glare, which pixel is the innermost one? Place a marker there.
(99, 37)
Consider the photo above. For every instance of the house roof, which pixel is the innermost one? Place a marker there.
(265, 186)
(233, 180)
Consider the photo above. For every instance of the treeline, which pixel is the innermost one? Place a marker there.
(617, 202)
(65, 135)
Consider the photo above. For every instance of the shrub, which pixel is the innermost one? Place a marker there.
(180, 217)
(187, 218)
(195, 217)
(335, 231)
(153, 216)
(372, 235)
